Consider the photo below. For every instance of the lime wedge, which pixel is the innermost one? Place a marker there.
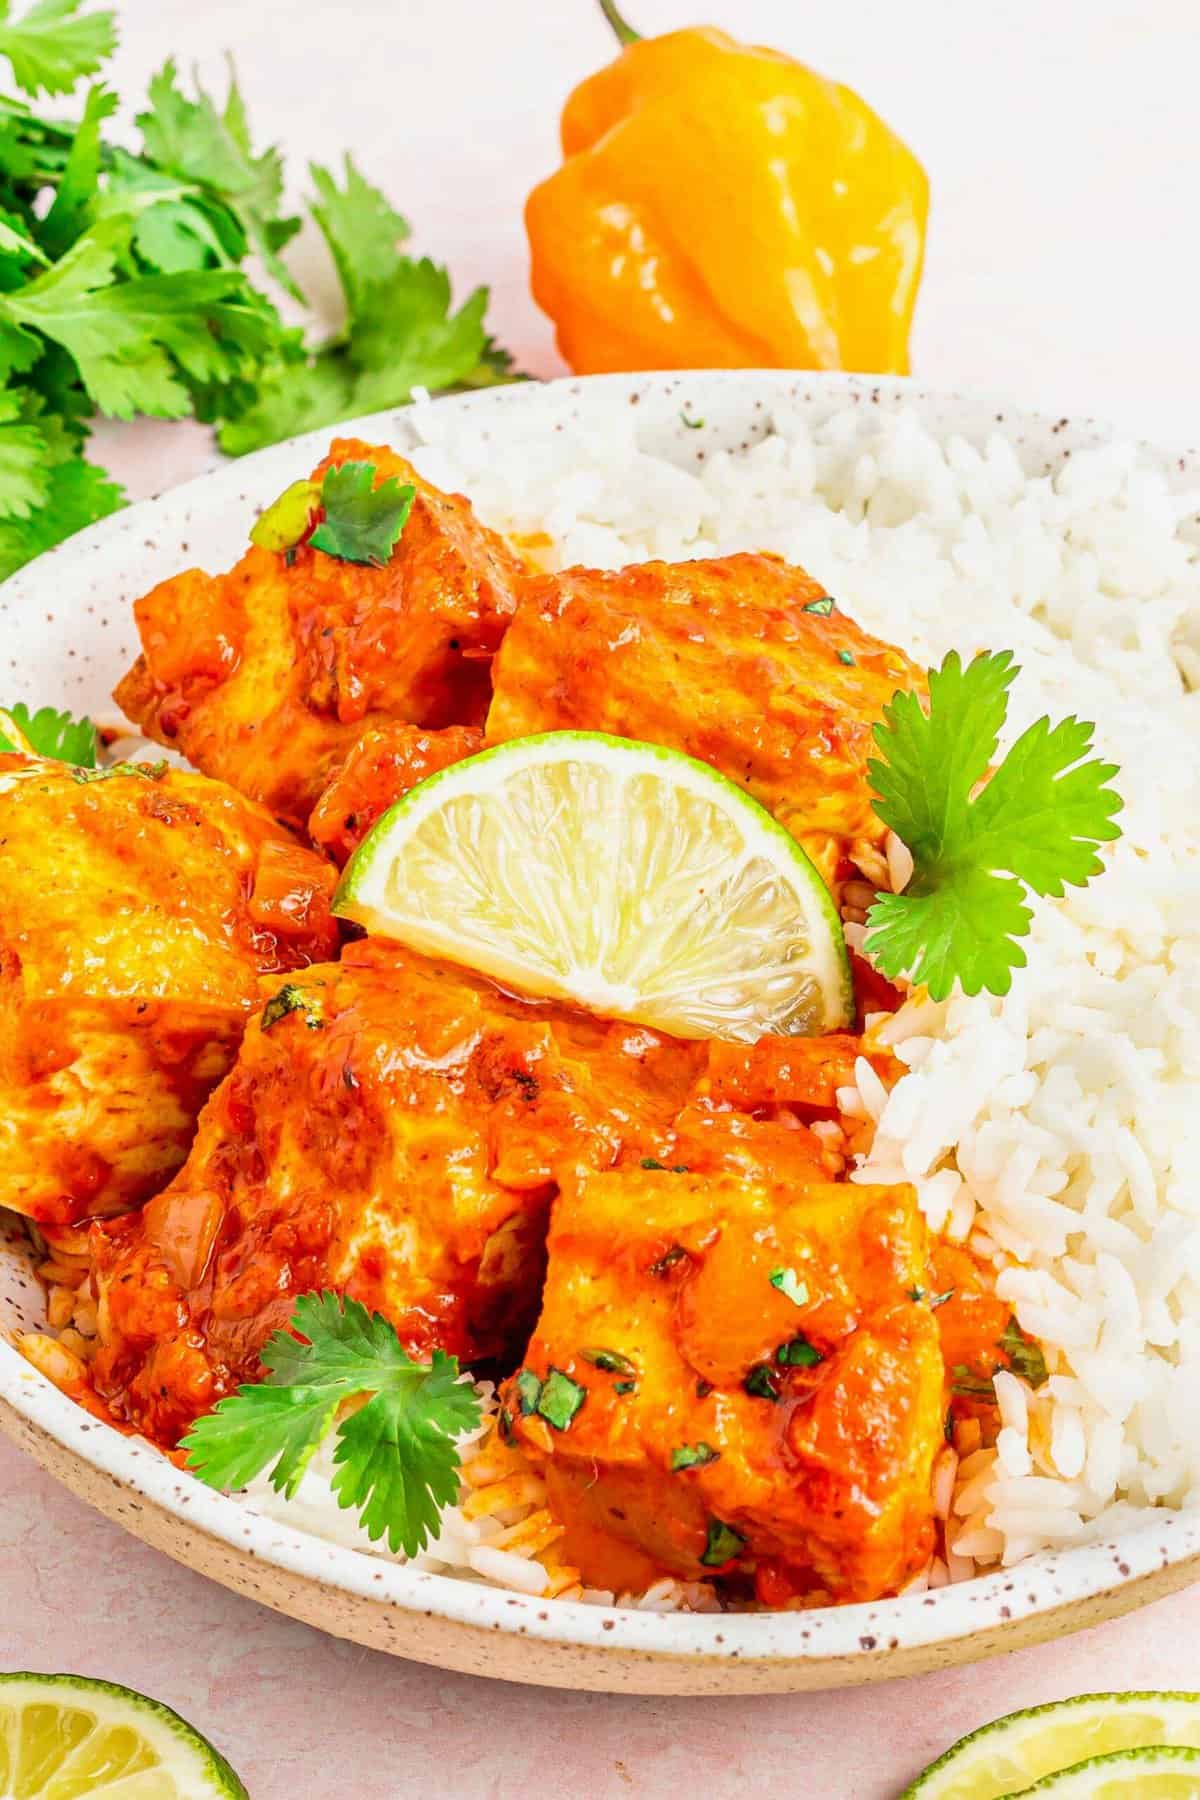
(614, 875)
(1009, 1756)
(1171, 1772)
(63, 1736)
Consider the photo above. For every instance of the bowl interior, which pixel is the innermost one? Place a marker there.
(67, 635)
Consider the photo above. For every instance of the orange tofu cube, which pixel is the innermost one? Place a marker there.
(730, 1373)
(743, 662)
(393, 1129)
(267, 676)
(138, 911)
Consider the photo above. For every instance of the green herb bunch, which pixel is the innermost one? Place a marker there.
(123, 290)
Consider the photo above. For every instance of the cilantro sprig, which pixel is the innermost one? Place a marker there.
(122, 289)
(400, 331)
(396, 1458)
(1035, 826)
(363, 519)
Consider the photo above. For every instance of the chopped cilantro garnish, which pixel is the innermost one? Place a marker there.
(362, 521)
(798, 1353)
(1035, 826)
(624, 1387)
(48, 733)
(1024, 1355)
(529, 1392)
(504, 1425)
(667, 1260)
(948, 1425)
(822, 607)
(762, 1382)
(611, 1361)
(846, 657)
(397, 1458)
(918, 1293)
(723, 1544)
(789, 1285)
(560, 1399)
(692, 1456)
(692, 424)
(292, 999)
(121, 771)
(652, 1162)
(970, 1386)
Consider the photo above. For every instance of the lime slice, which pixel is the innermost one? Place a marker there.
(1007, 1757)
(63, 1736)
(1170, 1772)
(615, 875)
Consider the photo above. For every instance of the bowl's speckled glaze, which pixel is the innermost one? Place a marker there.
(65, 635)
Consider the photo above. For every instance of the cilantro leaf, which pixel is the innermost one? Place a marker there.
(50, 733)
(79, 183)
(399, 331)
(361, 229)
(1024, 1354)
(1035, 825)
(722, 1544)
(78, 493)
(258, 1425)
(293, 999)
(693, 1456)
(212, 149)
(396, 1456)
(560, 1399)
(362, 521)
(50, 48)
(789, 1285)
(134, 342)
(24, 456)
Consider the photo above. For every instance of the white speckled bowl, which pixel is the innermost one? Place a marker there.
(65, 636)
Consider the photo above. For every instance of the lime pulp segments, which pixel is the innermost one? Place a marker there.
(1012, 1754)
(64, 1736)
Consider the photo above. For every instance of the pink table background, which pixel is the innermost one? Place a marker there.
(1083, 137)
(306, 1717)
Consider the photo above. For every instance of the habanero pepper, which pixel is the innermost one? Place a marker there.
(722, 206)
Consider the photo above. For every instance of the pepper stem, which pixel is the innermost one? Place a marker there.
(624, 34)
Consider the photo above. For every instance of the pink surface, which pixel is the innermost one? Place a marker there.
(306, 1717)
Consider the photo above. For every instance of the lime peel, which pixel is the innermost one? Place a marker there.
(1012, 1754)
(1159, 1772)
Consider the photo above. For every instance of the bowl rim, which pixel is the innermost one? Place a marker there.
(1042, 1584)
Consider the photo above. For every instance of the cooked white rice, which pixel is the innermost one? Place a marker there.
(1056, 1130)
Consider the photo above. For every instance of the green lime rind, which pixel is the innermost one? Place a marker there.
(197, 1766)
(362, 892)
(1130, 1773)
(1005, 1757)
